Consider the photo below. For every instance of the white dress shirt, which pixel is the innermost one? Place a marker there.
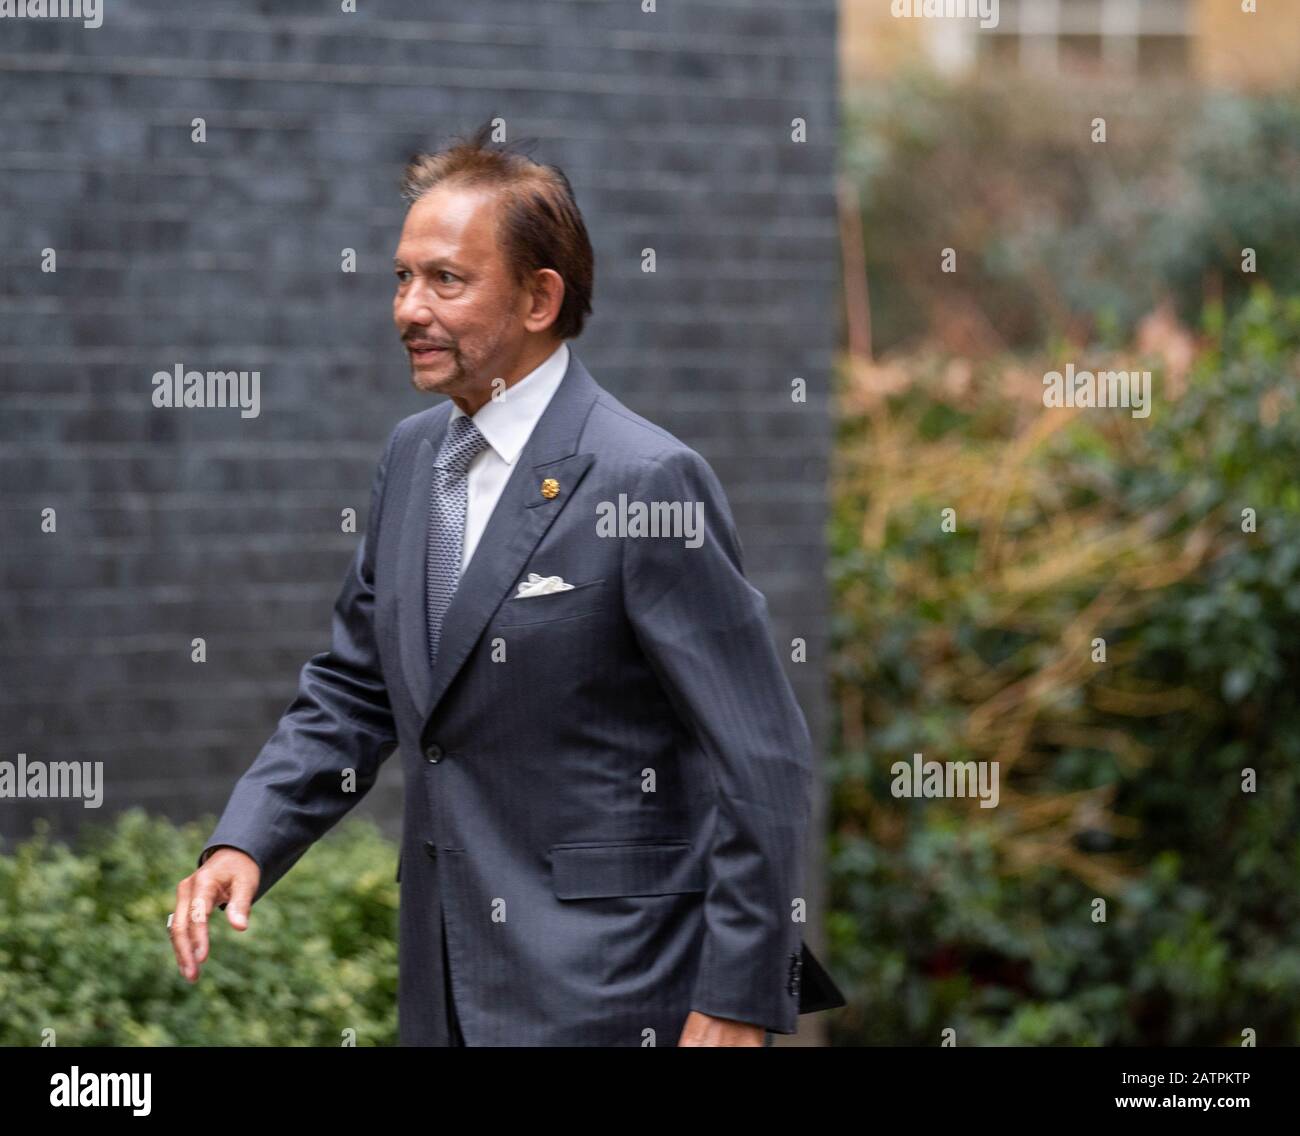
(507, 423)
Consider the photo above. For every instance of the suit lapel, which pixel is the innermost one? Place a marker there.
(518, 523)
(412, 626)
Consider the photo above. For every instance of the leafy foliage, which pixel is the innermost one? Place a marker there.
(1121, 780)
(92, 961)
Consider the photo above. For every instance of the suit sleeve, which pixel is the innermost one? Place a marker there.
(339, 721)
(704, 629)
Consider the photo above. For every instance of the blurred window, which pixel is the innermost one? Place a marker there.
(1140, 38)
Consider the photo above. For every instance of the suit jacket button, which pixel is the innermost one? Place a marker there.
(431, 848)
(433, 753)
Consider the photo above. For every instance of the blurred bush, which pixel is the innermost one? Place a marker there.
(1058, 236)
(84, 946)
(1120, 779)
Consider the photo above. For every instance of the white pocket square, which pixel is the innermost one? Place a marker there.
(537, 585)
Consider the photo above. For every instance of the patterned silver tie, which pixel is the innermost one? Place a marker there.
(447, 508)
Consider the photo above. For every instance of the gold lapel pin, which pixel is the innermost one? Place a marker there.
(550, 488)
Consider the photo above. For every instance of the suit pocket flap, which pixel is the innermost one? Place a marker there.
(581, 599)
(588, 871)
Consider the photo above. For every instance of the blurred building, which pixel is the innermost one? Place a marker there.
(1203, 41)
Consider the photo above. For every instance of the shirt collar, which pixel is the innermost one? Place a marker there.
(507, 422)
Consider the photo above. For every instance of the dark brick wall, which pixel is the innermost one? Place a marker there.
(675, 129)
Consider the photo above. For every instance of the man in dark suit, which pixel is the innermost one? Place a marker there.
(608, 778)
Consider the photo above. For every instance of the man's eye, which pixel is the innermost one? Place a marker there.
(402, 274)
(444, 272)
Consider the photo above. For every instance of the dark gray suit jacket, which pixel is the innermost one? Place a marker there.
(607, 789)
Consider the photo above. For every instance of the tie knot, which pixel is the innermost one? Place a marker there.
(464, 440)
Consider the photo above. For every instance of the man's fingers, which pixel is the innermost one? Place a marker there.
(232, 882)
(241, 900)
(180, 929)
(204, 894)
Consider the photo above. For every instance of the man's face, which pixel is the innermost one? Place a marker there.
(456, 308)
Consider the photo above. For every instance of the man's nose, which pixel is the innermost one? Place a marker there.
(412, 309)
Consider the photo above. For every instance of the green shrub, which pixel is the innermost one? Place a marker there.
(85, 952)
(1120, 780)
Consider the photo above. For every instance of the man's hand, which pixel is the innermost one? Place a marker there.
(701, 1029)
(227, 876)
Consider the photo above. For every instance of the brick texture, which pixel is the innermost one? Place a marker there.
(675, 130)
